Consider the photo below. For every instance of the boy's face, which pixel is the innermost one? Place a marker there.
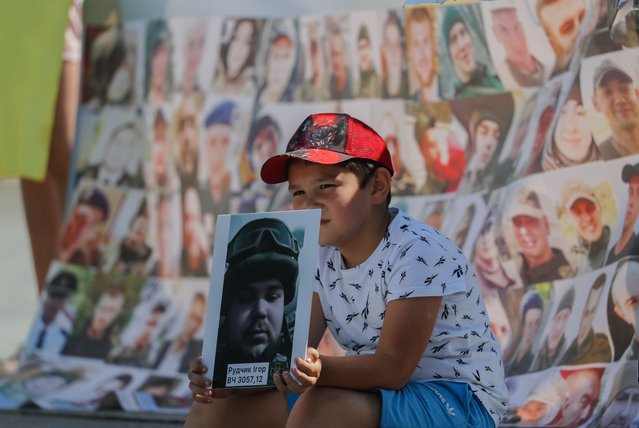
(337, 192)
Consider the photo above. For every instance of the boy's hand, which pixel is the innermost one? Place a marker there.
(200, 386)
(306, 372)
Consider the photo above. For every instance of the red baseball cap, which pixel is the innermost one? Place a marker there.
(328, 138)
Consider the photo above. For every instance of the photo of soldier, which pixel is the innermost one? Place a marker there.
(97, 327)
(526, 219)
(161, 172)
(111, 64)
(367, 75)
(587, 214)
(315, 84)
(443, 155)
(393, 74)
(86, 229)
(223, 123)
(422, 53)
(531, 319)
(466, 69)
(159, 66)
(488, 258)
(279, 62)
(519, 49)
(487, 121)
(409, 169)
(562, 21)
(571, 142)
(615, 97)
(627, 241)
(167, 232)
(134, 251)
(541, 120)
(512, 160)
(136, 351)
(190, 48)
(589, 346)
(196, 254)
(259, 284)
(554, 343)
(235, 69)
(186, 128)
(340, 82)
(262, 143)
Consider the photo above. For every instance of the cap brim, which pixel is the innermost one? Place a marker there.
(574, 198)
(527, 211)
(275, 169)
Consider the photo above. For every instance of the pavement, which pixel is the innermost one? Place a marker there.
(18, 304)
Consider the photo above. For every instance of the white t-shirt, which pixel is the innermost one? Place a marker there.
(416, 260)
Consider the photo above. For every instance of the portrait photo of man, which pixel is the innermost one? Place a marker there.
(532, 312)
(260, 280)
(487, 123)
(340, 81)
(517, 66)
(421, 47)
(628, 242)
(589, 346)
(554, 344)
(585, 212)
(369, 84)
(94, 338)
(81, 241)
(616, 97)
(531, 227)
(467, 53)
(443, 156)
(175, 352)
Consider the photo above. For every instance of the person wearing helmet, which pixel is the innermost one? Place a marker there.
(260, 278)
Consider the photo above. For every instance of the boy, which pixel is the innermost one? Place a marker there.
(397, 294)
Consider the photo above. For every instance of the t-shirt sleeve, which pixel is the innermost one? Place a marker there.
(427, 266)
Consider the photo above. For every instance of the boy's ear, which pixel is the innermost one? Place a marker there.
(381, 185)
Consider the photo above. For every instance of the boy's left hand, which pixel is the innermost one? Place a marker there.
(307, 372)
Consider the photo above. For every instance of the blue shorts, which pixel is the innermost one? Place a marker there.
(428, 404)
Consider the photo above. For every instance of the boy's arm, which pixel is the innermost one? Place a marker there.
(318, 323)
(408, 325)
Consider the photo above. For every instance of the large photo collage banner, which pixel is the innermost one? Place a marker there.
(513, 128)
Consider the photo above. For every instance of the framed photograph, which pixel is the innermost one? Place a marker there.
(260, 293)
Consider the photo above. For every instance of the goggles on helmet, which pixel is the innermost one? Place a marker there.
(263, 235)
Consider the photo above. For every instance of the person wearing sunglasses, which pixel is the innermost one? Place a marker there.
(260, 278)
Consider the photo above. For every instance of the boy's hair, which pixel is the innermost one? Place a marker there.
(364, 170)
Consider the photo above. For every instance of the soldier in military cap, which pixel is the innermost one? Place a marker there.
(616, 97)
(583, 208)
(539, 261)
(262, 267)
(51, 329)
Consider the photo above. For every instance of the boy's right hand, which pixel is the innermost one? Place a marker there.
(200, 386)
